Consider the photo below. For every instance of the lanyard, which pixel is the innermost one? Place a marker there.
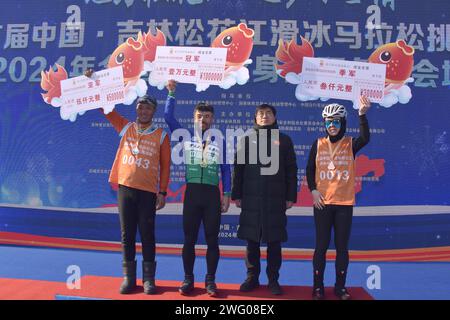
(135, 148)
(204, 162)
(332, 151)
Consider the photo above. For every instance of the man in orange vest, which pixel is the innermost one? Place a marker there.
(331, 178)
(141, 170)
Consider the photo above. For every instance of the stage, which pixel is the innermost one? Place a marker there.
(38, 273)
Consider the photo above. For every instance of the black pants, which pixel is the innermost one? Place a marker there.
(252, 259)
(137, 208)
(201, 204)
(339, 218)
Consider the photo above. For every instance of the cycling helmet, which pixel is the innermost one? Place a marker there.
(334, 110)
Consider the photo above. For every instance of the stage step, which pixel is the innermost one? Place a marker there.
(96, 287)
(106, 288)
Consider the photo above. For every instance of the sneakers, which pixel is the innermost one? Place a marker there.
(249, 284)
(342, 293)
(275, 288)
(210, 285)
(187, 286)
(318, 293)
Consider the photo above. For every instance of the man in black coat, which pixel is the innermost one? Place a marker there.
(264, 187)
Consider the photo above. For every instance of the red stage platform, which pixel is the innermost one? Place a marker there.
(95, 287)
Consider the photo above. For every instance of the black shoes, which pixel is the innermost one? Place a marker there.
(318, 293)
(342, 293)
(250, 284)
(339, 286)
(275, 288)
(187, 286)
(129, 281)
(210, 285)
(148, 277)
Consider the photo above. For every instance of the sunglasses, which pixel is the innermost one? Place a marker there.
(335, 123)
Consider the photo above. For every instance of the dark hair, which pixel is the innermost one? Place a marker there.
(204, 107)
(266, 106)
(146, 99)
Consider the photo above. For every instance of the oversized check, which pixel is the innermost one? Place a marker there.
(81, 93)
(340, 79)
(197, 65)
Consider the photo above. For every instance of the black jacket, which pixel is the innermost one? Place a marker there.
(263, 197)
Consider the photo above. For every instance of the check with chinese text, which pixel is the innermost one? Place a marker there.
(340, 79)
(196, 65)
(81, 93)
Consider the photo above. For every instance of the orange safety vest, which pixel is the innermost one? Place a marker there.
(138, 157)
(335, 171)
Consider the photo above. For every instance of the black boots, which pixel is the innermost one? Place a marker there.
(339, 287)
(210, 285)
(187, 286)
(253, 270)
(129, 280)
(275, 287)
(250, 284)
(253, 264)
(273, 275)
(148, 277)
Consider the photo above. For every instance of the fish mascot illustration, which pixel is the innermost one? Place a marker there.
(397, 56)
(291, 55)
(399, 61)
(131, 55)
(51, 82)
(238, 41)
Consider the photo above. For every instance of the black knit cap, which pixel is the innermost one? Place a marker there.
(146, 99)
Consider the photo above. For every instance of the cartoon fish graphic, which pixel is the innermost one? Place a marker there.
(150, 42)
(291, 55)
(129, 55)
(132, 53)
(238, 41)
(399, 61)
(51, 82)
